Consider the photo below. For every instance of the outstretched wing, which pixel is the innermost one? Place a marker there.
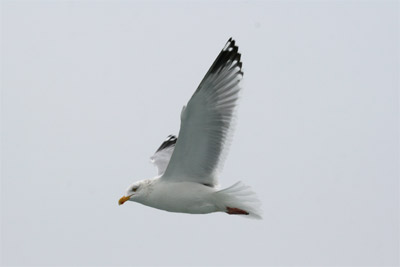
(206, 122)
(163, 154)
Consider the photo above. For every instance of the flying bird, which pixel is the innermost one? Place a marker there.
(189, 165)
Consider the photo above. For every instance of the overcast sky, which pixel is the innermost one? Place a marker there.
(90, 89)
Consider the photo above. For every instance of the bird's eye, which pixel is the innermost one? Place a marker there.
(134, 189)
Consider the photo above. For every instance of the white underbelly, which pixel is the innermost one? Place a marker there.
(186, 197)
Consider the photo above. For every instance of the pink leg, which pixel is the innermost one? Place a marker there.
(230, 210)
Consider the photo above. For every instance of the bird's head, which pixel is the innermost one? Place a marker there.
(134, 192)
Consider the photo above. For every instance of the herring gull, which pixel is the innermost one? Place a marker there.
(188, 165)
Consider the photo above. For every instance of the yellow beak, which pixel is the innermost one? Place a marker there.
(122, 200)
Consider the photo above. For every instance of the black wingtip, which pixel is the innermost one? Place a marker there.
(240, 63)
(229, 43)
(228, 53)
(170, 141)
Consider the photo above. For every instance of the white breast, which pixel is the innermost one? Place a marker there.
(186, 197)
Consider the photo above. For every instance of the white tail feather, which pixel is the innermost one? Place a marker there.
(240, 196)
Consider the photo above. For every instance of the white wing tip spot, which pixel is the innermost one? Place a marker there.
(227, 46)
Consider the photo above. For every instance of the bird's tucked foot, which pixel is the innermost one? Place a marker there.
(231, 211)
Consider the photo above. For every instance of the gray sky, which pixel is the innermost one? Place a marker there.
(90, 89)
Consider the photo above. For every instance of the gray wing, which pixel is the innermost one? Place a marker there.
(163, 154)
(206, 122)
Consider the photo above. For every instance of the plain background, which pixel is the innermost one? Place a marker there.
(90, 89)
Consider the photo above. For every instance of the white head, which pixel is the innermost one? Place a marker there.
(136, 191)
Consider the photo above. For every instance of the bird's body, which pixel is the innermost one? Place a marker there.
(184, 197)
(188, 166)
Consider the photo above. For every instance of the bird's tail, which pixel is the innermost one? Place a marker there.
(239, 199)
